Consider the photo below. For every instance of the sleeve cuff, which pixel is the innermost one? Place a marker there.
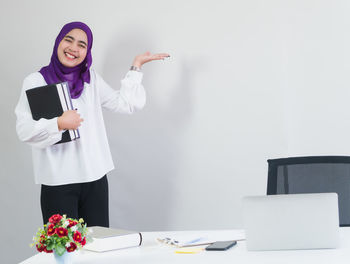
(52, 126)
(135, 76)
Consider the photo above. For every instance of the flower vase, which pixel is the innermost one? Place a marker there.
(66, 258)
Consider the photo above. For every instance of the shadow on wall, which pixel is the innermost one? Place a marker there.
(147, 146)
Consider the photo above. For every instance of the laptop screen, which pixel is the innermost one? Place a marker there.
(291, 221)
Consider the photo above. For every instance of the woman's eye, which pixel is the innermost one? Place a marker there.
(82, 46)
(68, 40)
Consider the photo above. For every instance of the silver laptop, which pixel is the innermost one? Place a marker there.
(291, 221)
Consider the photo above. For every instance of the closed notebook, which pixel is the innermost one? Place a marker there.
(51, 101)
(106, 239)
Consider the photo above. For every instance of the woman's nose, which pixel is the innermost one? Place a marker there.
(73, 48)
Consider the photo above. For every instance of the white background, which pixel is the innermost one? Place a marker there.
(246, 81)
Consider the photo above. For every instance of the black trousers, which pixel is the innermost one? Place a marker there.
(79, 200)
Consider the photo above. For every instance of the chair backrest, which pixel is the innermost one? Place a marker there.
(315, 174)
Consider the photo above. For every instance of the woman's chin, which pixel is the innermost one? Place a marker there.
(69, 64)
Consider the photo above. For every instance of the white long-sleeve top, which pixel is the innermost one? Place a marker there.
(87, 158)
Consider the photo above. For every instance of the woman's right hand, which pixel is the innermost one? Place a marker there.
(69, 120)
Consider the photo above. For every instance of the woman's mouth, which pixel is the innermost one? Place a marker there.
(70, 56)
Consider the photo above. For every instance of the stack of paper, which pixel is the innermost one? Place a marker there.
(198, 238)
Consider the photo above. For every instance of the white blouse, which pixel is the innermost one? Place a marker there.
(87, 158)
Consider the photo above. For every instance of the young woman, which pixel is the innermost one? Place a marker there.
(73, 174)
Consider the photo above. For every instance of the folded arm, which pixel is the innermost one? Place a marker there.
(41, 133)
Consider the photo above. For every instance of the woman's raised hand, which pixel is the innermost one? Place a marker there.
(147, 57)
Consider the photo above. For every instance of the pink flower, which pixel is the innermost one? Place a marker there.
(48, 251)
(83, 242)
(40, 247)
(55, 219)
(77, 236)
(61, 232)
(72, 223)
(42, 239)
(51, 230)
(72, 247)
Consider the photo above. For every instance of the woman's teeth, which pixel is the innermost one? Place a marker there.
(70, 56)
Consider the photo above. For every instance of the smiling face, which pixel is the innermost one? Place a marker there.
(73, 48)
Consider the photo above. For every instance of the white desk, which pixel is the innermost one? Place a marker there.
(152, 252)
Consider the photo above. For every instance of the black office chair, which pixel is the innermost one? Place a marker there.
(316, 174)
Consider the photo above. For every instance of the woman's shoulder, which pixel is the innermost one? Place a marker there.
(34, 79)
(93, 73)
(95, 77)
(34, 76)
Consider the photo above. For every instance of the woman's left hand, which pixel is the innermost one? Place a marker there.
(147, 57)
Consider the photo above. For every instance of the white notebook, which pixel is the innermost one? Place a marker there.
(106, 239)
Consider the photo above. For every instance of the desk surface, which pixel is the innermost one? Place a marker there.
(153, 252)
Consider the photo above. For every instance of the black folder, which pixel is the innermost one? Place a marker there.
(51, 101)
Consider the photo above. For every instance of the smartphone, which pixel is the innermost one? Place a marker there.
(221, 245)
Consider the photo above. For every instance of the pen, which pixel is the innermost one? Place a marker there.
(194, 241)
(189, 251)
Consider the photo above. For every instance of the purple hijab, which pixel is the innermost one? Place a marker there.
(55, 72)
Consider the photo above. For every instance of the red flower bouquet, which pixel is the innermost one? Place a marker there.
(61, 234)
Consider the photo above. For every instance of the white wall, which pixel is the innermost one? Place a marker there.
(247, 81)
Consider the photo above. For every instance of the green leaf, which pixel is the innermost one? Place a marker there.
(50, 247)
(60, 249)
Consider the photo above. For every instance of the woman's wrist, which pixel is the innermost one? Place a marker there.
(134, 68)
(59, 123)
(137, 63)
